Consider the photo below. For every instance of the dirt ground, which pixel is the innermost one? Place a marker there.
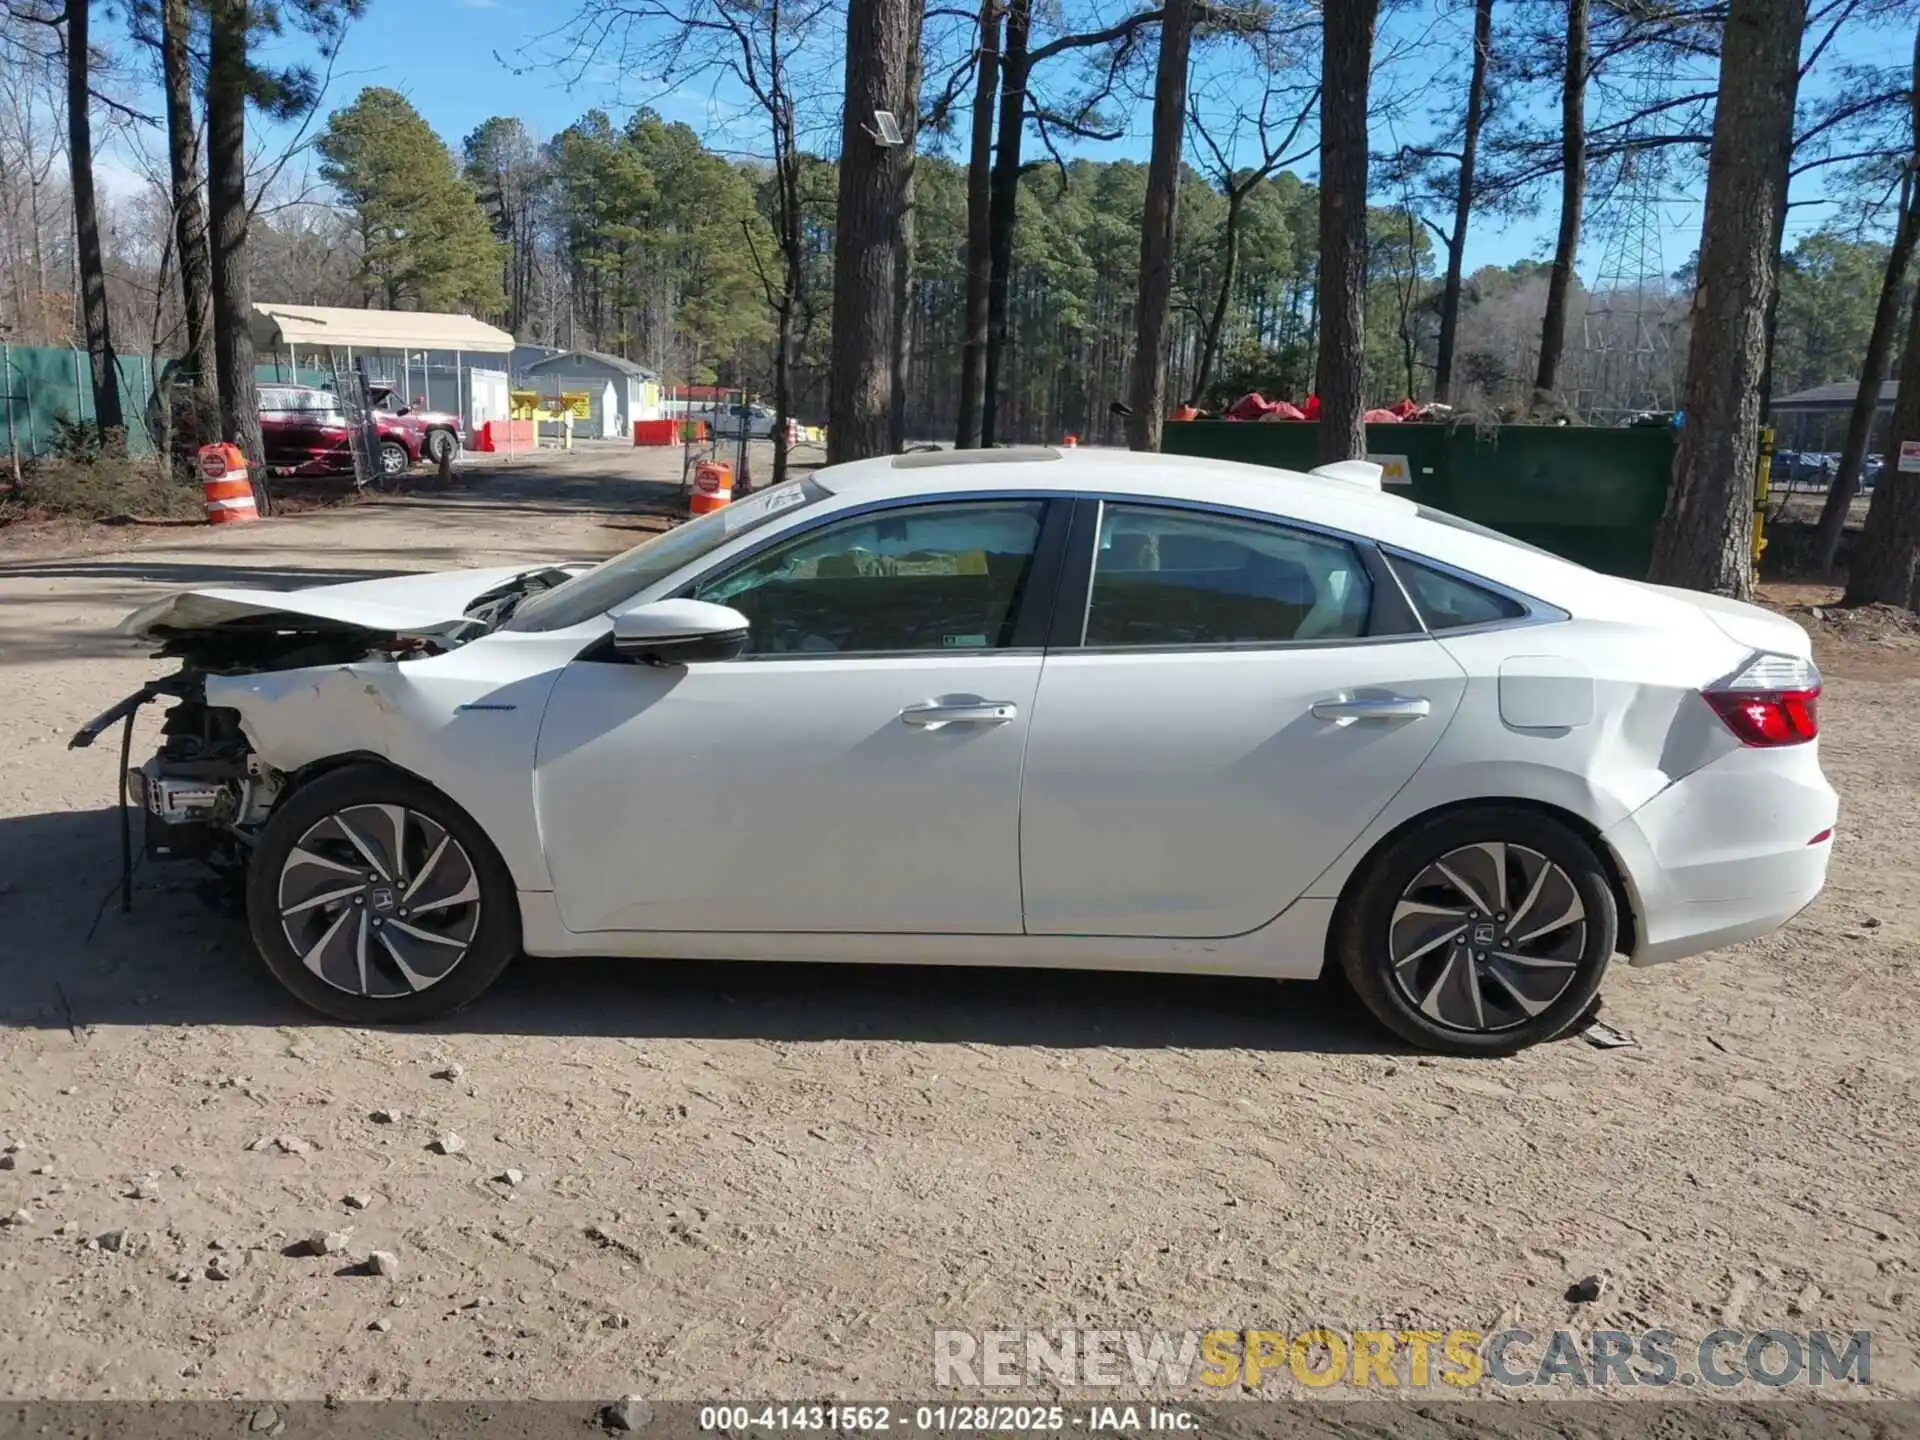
(779, 1181)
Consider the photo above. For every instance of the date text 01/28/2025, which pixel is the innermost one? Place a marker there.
(955, 1419)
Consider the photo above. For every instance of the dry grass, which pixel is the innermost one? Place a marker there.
(100, 487)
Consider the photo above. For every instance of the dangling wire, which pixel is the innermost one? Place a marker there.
(126, 818)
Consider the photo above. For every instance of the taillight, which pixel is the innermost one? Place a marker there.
(1773, 700)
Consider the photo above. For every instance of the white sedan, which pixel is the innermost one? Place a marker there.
(1004, 707)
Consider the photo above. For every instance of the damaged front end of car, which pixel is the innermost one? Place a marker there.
(207, 792)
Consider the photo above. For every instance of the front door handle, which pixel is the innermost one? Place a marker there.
(973, 712)
(1373, 707)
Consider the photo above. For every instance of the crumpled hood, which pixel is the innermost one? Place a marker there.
(410, 604)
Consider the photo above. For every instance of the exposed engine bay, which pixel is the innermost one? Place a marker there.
(205, 794)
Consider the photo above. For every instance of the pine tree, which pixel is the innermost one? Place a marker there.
(425, 241)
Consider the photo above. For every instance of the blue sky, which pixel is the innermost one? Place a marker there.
(461, 61)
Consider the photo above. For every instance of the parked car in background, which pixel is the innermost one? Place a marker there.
(729, 420)
(436, 432)
(304, 430)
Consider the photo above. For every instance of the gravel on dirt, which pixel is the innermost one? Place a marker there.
(780, 1181)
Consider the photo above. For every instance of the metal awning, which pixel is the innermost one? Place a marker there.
(1836, 397)
(319, 326)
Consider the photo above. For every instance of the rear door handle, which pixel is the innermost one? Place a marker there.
(1373, 707)
(978, 712)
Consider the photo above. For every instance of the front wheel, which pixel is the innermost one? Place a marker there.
(374, 899)
(1480, 931)
(394, 458)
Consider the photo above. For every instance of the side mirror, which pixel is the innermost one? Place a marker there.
(679, 632)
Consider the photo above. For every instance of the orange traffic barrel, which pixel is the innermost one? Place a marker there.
(712, 487)
(1071, 442)
(226, 485)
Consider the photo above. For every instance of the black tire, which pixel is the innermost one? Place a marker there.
(442, 443)
(1447, 994)
(488, 944)
(394, 459)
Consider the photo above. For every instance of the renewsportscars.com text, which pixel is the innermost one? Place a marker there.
(1397, 1359)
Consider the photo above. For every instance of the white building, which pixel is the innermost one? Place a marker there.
(432, 361)
(636, 389)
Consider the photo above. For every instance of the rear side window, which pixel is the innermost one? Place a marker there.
(1177, 577)
(1447, 602)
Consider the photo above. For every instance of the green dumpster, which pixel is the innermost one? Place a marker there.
(1592, 495)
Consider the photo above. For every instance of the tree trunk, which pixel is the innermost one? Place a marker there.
(903, 243)
(227, 77)
(1886, 563)
(1885, 566)
(90, 265)
(1873, 371)
(1463, 202)
(1573, 192)
(793, 282)
(973, 352)
(1408, 289)
(873, 180)
(1773, 305)
(1347, 58)
(189, 206)
(1147, 390)
(1004, 208)
(1229, 263)
(1705, 537)
(782, 384)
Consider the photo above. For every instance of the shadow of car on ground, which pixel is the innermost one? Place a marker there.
(75, 961)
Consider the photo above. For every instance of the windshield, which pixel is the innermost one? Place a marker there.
(651, 561)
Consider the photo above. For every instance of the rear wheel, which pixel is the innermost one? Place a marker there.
(1480, 931)
(374, 899)
(442, 445)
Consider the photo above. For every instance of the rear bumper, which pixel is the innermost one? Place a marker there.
(1726, 854)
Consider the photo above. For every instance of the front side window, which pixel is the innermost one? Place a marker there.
(1179, 577)
(925, 578)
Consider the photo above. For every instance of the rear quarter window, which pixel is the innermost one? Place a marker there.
(1447, 601)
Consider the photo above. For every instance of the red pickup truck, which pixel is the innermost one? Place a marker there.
(304, 431)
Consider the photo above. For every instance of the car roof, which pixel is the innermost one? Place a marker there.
(1341, 504)
(1331, 504)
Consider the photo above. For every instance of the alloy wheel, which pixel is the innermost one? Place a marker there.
(379, 900)
(1487, 937)
(393, 459)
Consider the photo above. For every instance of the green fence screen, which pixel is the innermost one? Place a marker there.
(1592, 495)
(43, 389)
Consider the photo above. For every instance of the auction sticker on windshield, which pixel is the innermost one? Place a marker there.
(758, 507)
